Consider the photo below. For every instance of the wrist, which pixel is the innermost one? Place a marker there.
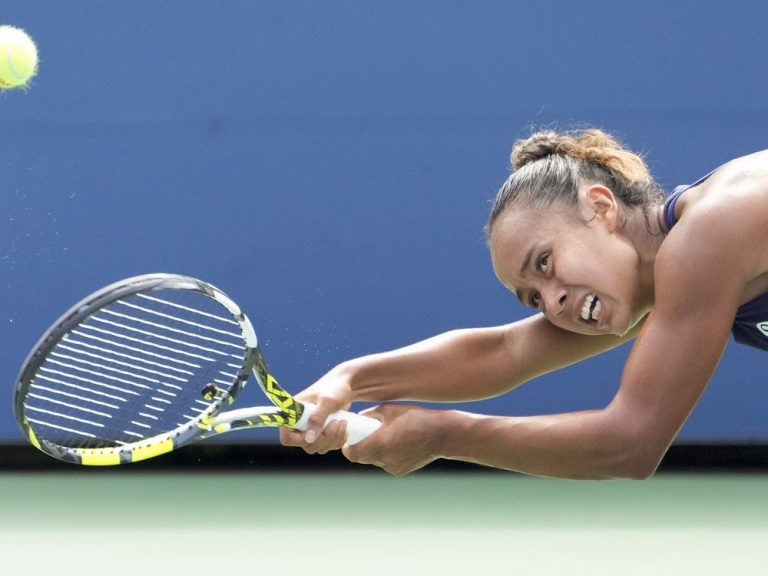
(446, 430)
(348, 373)
(358, 375)
(454, 430)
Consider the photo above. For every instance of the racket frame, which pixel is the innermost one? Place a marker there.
(286, 412)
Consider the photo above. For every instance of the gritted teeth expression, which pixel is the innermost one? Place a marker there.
(591, 308)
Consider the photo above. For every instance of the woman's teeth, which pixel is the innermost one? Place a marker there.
(591, 308)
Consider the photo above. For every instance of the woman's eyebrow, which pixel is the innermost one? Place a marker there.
(526, 262)
(524, 272)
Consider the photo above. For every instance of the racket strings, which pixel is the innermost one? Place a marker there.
(135, 369)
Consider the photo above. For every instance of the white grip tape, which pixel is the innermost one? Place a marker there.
(358, 427)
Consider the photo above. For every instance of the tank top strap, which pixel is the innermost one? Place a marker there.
(669, 206)
(671, 201)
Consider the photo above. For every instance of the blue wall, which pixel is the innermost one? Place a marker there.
(331, 164)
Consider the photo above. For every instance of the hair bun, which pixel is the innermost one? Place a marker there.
(538, 146)
(590, 145)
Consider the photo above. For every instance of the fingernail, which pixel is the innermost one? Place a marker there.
(310, 436)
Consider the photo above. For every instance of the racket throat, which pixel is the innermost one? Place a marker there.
(259, 416)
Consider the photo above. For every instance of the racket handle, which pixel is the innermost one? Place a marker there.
(358, 427)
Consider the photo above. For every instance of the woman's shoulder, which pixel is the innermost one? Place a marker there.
(739, 184)
(745, 175)
(721, 237)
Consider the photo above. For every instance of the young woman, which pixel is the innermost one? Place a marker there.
(580, 232)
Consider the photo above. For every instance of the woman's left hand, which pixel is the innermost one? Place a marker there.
(409, 439)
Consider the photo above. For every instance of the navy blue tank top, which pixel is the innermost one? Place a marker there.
(751, 324)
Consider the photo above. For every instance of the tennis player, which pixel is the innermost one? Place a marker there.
(581, 233)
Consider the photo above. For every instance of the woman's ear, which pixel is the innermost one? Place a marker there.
(601, 205)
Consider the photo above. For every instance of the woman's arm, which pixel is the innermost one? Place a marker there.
(472, 364)
(457, 366)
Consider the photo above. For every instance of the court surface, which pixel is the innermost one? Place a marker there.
(115, 523)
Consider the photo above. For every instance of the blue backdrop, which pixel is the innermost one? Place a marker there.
(331, 164)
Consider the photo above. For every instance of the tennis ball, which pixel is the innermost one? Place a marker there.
(18, 57)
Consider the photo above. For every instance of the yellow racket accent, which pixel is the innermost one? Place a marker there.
(275, 420)
(96, 458)
(31, 435)
(112, 457)
(206, 422)
(144, 452)
(282, 400)
(210, 391)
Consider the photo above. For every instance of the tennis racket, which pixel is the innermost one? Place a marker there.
(145, 366)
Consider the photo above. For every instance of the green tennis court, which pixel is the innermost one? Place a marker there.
(370, 523)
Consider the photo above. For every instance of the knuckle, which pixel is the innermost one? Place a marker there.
(289, 439)
(353, 455)
(317, 420)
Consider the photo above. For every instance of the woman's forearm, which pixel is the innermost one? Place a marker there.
(457, 366)
(579, 445)
(472, 364)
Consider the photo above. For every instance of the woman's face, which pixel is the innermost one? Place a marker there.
(584, 277)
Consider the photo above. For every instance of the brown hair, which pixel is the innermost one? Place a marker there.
(548, 167)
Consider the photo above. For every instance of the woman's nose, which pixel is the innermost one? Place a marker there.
(555, 298)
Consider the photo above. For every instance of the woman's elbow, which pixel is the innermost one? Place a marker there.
(640, 468)
(635, 456)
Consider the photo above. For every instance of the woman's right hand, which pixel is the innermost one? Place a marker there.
(330, 393)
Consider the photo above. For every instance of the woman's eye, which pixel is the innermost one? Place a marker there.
(535, 299)
(543, 262)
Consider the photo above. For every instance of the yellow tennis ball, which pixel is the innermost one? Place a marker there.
(18, 57)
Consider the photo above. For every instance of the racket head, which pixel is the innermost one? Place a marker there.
(137, 369)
